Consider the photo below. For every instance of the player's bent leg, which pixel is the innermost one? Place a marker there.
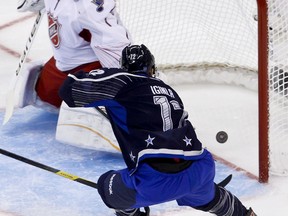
(51, 78)
(200, 189)
(114, 192)
(49, 82)
(117, 195)
(24, 91)
(224, 203)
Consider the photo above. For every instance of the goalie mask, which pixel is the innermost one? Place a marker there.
(138, 59)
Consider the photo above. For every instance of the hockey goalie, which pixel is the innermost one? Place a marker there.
(84, 35)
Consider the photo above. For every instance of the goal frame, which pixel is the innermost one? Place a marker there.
(263, 83)
(263, 88)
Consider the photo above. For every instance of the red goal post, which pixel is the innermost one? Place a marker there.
(230, 42)
(273, 87)
(263, 90)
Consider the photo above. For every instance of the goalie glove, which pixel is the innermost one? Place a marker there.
(30, 5)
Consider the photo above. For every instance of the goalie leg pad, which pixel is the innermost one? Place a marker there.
(25, 85)
(85, 128)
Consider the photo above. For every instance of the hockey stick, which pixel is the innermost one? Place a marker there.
(10, 95)
(102, 112)
(72, 177)
(30, 41)
(50, 169)
(225, 181)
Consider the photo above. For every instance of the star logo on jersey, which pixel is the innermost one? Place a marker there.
(53, 29)
(149, 140)
(132, 157)
(187, 141)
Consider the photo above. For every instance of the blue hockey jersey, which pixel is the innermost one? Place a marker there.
(147, 115)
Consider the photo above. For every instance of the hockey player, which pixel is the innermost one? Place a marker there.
(165, 160)
(84, 34)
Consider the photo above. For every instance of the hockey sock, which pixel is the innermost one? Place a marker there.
(224, 203)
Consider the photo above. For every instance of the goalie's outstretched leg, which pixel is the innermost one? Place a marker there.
(25, 88)
(24, 91)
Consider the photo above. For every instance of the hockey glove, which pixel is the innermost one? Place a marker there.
(30, 5)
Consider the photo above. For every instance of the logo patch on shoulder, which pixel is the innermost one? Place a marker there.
(54, 28)
(96, 72)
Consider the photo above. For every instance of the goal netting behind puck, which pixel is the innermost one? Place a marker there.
(217, 41)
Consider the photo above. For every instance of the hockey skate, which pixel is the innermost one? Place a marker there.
(250, 212)
(133, 212)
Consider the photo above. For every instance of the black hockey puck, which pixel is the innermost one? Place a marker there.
(221, 137)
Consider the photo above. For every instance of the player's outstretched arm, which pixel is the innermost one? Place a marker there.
(30, 5)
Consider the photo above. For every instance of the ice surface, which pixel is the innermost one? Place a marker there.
(30, 191)
(27, 190)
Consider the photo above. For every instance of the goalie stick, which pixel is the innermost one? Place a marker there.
(72, 177)
(10, 95)
(30, 41)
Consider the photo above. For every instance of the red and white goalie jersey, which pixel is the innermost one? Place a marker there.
(84, 31)
(85, 35)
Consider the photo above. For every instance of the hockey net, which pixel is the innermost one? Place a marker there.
(217, 42)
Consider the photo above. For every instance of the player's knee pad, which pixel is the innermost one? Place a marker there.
(102, 188)
(114, 192)
(224, 203)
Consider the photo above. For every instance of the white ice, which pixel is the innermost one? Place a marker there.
(29, 191)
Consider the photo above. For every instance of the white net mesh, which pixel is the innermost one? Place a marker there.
(194, 32)
(217, 41)
(278, 80)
